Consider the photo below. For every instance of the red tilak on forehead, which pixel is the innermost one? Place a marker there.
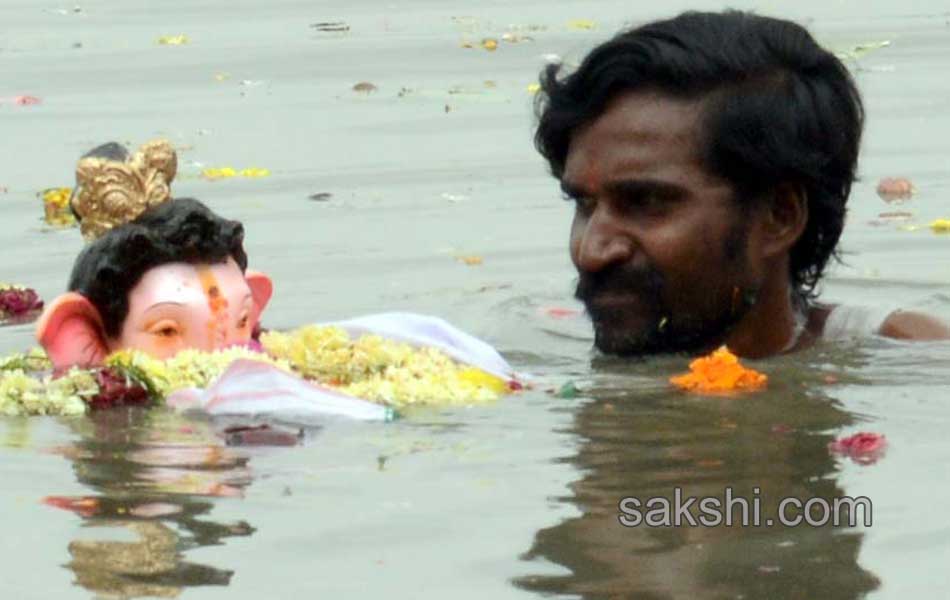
(591, 178)
(217, 326)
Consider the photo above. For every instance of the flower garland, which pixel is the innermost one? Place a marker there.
(380, 370)
(187, 369)
(28, 387)
(370, 367)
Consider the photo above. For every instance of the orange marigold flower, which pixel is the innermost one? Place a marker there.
(719, 372)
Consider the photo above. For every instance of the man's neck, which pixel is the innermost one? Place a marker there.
(772, 325)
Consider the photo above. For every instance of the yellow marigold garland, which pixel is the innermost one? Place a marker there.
(22, 393)
(187, 369)
(719, 372)
(380, 370)
(370, 367)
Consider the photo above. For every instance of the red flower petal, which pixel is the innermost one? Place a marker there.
(863, 447)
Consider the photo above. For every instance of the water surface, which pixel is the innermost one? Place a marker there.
(517, 499)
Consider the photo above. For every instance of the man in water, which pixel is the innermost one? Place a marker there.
(710, 158)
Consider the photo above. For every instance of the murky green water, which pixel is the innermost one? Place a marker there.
(512, 500)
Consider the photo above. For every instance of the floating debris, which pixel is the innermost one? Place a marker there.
(515, 38)
(940, 226)
(222, 76)
(228, 172)
(863, 448)
(331, 27)
(581, 24)
(454, 198)
(320, 196)
(568, 391)
(174, 40)
(18, 302)
(26, 100)
(490, 44)
(861, 50)
(889, 218)
(895, 189)
(897, 215)
(534, 88)
(470, 260)
(365, 87)
(218, 173)
(559, 312)
(56, 211)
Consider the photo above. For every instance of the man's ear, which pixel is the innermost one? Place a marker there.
(262, 288)
(70, 330)
(784, 219)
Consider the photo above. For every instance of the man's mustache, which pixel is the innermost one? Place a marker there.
(619, 280)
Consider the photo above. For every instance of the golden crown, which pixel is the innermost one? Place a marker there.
(110, 193)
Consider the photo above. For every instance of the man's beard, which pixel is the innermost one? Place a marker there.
(645, 324)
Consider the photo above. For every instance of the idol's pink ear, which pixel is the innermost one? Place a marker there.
(70, 331)
(261, 289)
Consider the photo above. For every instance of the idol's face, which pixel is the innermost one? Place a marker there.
(181, 305)
(659, 242)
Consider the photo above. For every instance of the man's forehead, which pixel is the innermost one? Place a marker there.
(643, 130)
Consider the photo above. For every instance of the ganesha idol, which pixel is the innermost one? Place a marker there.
(160, 275)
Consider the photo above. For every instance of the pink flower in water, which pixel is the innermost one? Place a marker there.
(864, 448)
(892, 189)
(116, 390)
(26, 100)
(17, 301)
(559, 312)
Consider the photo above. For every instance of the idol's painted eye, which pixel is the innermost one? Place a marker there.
(165, 329)
(244, 321)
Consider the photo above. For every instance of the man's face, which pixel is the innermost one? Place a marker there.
(659, 243)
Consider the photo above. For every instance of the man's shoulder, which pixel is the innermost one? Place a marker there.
(843, 321)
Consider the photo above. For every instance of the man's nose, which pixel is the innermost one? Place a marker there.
(603, 242)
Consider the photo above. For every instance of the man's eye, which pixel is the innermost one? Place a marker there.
(648, 200)
(582, 204)
(242, 323)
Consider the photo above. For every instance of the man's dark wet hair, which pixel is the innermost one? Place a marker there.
(778, 109)
(179, 230)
